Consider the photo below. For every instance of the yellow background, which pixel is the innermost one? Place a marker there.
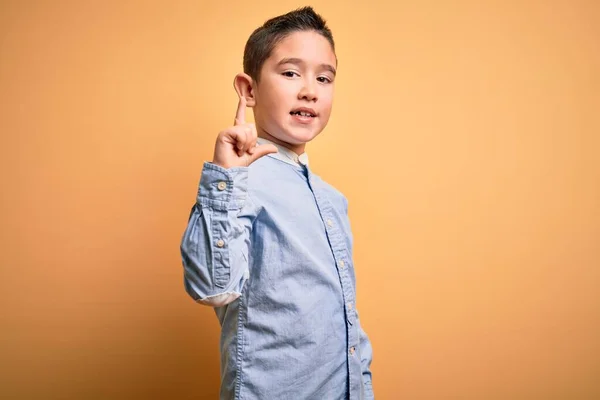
(465, 135)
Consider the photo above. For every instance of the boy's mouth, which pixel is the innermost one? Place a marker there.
(304, 112)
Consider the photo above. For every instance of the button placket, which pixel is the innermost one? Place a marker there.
(220, 251)
(340, 254)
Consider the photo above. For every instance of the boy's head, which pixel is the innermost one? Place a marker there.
(289, 70)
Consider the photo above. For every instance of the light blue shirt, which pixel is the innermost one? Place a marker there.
(270, 247)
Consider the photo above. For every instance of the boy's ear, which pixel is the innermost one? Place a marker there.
(243, 85)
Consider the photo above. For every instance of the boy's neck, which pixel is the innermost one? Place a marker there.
(296, 148)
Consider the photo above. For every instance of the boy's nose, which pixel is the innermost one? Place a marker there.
(308, 91)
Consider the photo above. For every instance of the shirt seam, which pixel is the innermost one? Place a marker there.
(240, 348)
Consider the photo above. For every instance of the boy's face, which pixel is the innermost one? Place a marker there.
(297, 77)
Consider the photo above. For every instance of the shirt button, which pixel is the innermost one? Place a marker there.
(220, 243)
(329, 223)
(222, 185)
(352, 350)
(342, 264)
(349, 306)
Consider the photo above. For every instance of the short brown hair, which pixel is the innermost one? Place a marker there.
(263, 40)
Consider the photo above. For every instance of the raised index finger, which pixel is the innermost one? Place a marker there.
(240, 115)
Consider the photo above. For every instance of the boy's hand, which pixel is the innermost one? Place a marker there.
(236, 146)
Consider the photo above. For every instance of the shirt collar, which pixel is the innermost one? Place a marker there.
(285, 154)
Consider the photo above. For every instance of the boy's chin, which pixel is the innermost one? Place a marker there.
(301, 136)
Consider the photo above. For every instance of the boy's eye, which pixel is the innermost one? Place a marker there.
(324, 79)
(289, 74)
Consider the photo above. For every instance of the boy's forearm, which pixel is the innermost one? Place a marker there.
(366, 354)
(214, 246)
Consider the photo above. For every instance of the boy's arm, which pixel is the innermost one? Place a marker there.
(366, 357)
(365, 348)
(214, 247)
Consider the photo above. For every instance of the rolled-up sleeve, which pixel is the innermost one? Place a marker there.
(214, 247)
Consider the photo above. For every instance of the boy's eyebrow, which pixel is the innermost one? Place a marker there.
(299, 61)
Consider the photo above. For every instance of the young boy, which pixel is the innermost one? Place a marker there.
(268, 243)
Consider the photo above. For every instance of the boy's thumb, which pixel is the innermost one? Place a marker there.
(262, 150)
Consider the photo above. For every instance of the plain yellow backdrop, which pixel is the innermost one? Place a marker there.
(465, 135)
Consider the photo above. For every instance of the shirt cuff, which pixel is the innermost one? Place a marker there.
(369, 391)
(219, 300)
(223, 189)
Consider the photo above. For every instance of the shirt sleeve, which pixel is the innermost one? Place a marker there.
(214, 247)
(365, 348)
(366, 357)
